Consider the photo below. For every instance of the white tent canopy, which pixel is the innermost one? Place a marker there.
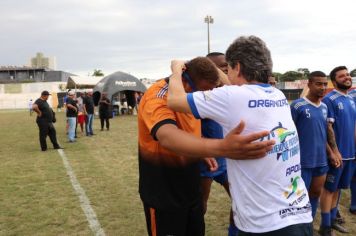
(79, 82)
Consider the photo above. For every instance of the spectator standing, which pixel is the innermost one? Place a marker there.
(89, 112)
(72, 111)
(104, 112)
(30, 104)
(123, 106)
(44, 121)
(81, 115)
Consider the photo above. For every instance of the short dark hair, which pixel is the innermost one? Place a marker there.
(201, 68)
(253, 56)
(215, 54)
(45, 93)
(314, 74)
(336, 69)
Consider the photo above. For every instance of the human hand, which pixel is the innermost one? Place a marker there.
(335, 159)
(211, 163)
(242, 147)
(178, 66)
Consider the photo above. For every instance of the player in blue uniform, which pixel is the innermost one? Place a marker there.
(352, 209)
(341, 122)
(309, 115)
(211, 129)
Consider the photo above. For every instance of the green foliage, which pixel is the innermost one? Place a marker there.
(304, 71)
(277, 75)
(353, 73)
(97, 72)
(292, 76)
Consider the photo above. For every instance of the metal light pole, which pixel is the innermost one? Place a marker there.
(209, 20)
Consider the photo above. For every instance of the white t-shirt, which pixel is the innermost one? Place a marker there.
(267, 193)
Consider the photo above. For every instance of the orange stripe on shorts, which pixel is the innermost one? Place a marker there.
(153, 221)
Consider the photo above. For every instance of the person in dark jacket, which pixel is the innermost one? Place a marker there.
(45, 119)
(104, 111)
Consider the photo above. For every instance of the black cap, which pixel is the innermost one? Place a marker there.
(45, 93)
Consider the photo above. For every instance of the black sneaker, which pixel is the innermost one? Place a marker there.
(326, 231)
(339, 227)
(58, 147)
(352, 211)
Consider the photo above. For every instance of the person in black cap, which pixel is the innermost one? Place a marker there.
(45, 119)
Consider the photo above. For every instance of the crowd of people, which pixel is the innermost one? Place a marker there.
(220, 118)
(276, 160)
(79, 112)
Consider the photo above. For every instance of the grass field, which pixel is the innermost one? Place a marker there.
(37, 197)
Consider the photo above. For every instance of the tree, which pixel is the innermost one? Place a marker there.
(97, 72)
(353, 73)
(304, 71)
(276, 75)
(291, 76)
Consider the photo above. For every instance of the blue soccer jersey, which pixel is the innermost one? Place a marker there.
(311, 122)
(342, 113)
(211, 129)
(352, 94)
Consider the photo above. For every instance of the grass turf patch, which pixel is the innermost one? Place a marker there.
(37, 198)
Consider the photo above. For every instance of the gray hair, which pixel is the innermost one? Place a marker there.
(254, 58)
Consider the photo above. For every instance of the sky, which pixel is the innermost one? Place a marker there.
(141, 37)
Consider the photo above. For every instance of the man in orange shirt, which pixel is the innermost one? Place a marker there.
(170, 147)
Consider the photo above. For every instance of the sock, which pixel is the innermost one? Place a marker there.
(233, 231)
(325, 219)
(353, 195)
(314, 204)
(333, 213)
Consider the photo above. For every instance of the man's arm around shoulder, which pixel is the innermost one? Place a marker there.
(234, 145)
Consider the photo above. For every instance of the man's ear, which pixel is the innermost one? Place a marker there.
(238, 68)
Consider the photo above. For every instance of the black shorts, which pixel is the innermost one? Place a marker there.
(291, 230)
(179, 222)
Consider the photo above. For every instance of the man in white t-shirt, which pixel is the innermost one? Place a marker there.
(269, 195)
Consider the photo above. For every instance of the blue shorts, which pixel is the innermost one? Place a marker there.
(339, 178)
(309, 173)
(218, 176)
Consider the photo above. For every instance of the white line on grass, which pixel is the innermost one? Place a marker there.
(83, 199)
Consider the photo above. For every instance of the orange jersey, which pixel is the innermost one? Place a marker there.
(154, 113)
(167, 180)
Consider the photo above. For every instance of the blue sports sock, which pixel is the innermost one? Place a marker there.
(333, 213)
(314, 204)
(353, 195)
(325, 219)
(233, 230)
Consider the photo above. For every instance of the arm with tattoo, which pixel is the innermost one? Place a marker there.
(332, 149)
